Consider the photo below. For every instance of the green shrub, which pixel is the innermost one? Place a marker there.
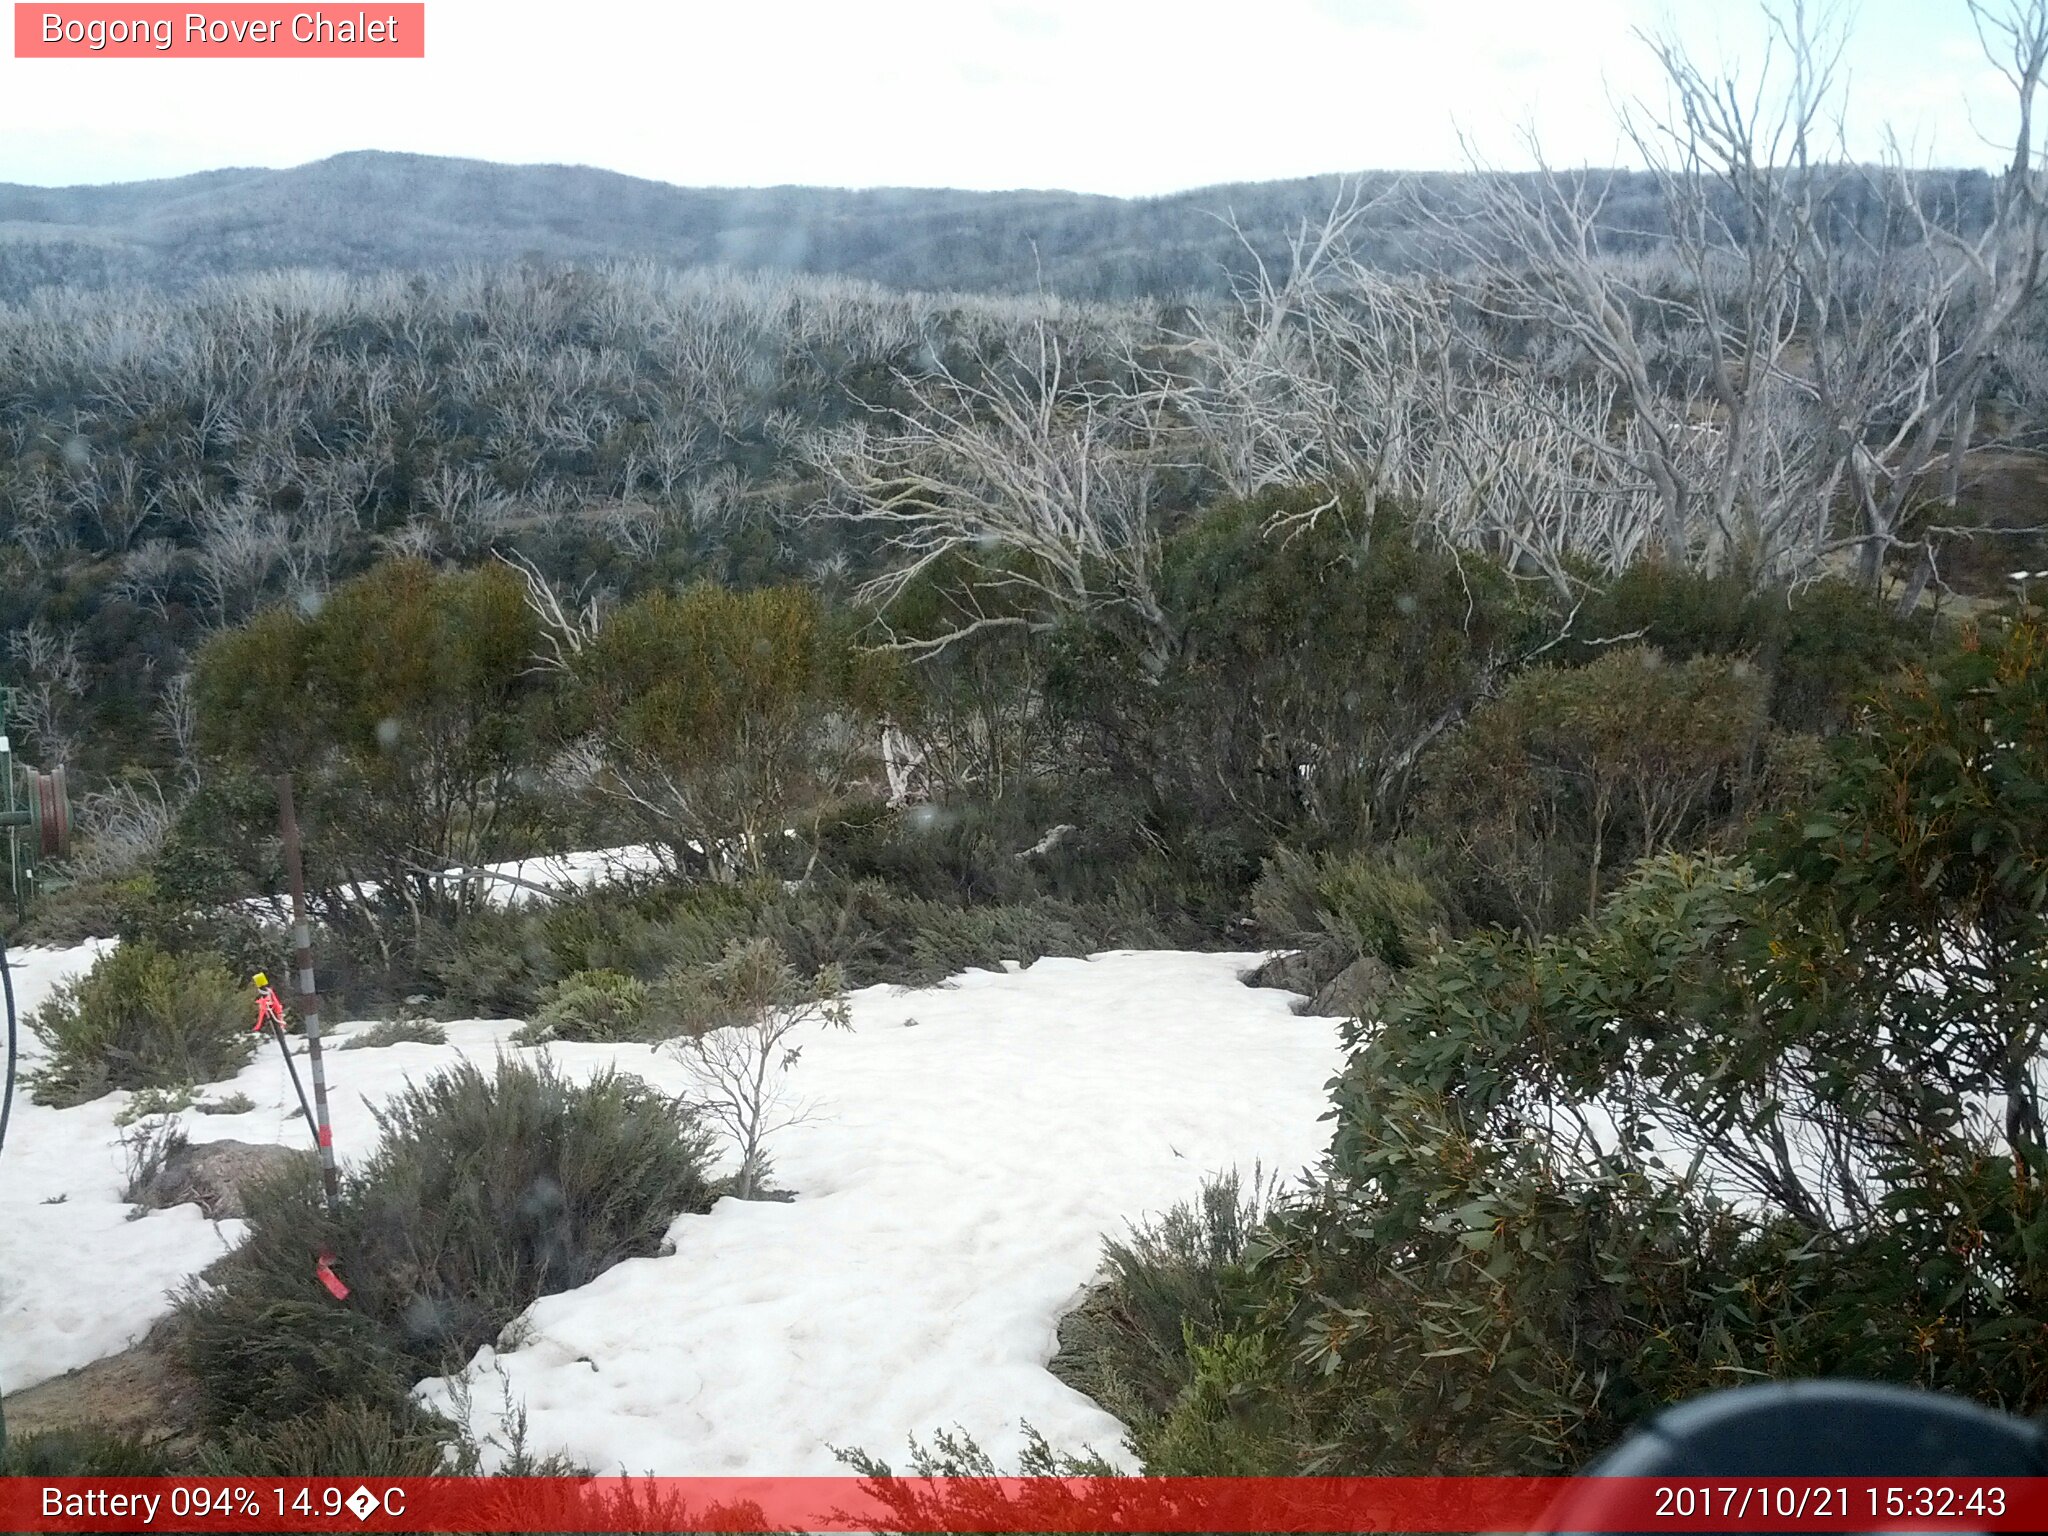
(82, 1453)
(1820, 647)
(1339, 907)
(141, 1018)
(149, 1103)
(493, 961)
(341, 1439)
(1556, 786)
(155, 915)
(268, 1348)
(64, 915)
(1169, 1285)
(396, 1032)
(953, 939)
(591, 1005)
(414, 694)
(955, 853)
(486, 1192)
(875, 934)
(723, 715)
(606, 944)
(1312, 654)
(1559, 1196)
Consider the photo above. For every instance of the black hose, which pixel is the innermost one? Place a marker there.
(7, 1099)
(7, 1093)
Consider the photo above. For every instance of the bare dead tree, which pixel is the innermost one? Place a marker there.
(1040, 486)
(177, 722)
(566, 626)
(1943, 318)
(121, 828)
(50, 680)
(147, 574)
(240, 544)
(1822, 367)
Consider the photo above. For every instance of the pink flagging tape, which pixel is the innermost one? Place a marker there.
(325, 1270)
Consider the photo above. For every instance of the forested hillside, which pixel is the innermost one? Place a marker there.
(373, 212)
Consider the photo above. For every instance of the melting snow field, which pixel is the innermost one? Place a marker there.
(969, 1148)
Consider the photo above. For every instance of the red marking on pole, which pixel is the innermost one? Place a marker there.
(325, 1270)
(267, 1008)
(326, 1135)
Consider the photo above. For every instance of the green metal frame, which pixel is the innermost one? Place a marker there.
(15, 816)
(34, 817)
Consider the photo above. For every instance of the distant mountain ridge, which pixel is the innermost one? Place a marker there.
(372, 211)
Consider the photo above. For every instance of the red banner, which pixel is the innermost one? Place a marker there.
(223, 31)
(1003, 1505)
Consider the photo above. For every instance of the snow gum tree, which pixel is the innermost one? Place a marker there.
(407, 707)
(722, 716)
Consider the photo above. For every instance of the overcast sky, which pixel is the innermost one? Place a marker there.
(1117, 96)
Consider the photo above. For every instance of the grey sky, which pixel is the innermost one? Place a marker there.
(1119, 96)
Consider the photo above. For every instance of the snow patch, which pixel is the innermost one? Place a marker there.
(952, 1193)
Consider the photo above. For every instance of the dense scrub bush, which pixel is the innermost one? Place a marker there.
(874, 934)
(1571, 774)
(486, 1192)
(269, 1348)
(1377, 903)
(1508, 1267)
(416, 722)
(141, 1018)
(725, 717)
(591, 1005)
(871, 931)
(341, 1439)
(1820, 647)
(1309, 665)
(82, 1453)
(396, 1032)
(645, 931)
(246, 940)
(71, 913)
(953, 852)
(1167, 1290)
(494, 961)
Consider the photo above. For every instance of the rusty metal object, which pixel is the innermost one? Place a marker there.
(53, 815)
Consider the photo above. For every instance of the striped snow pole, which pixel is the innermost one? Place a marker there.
(309, 997)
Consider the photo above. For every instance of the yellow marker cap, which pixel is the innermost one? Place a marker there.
(259, 979)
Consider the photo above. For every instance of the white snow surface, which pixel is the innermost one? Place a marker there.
(969, 1147)
(539, 878)
(78, 1279)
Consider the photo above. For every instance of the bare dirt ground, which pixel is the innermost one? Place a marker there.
(137, 1392)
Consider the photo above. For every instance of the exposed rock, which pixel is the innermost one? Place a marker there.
(1291, 970)
(1080, 1334)
(1309, 972)
(1355, 992)
(215, 1175)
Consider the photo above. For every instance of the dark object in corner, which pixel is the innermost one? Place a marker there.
(1814, 1429)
